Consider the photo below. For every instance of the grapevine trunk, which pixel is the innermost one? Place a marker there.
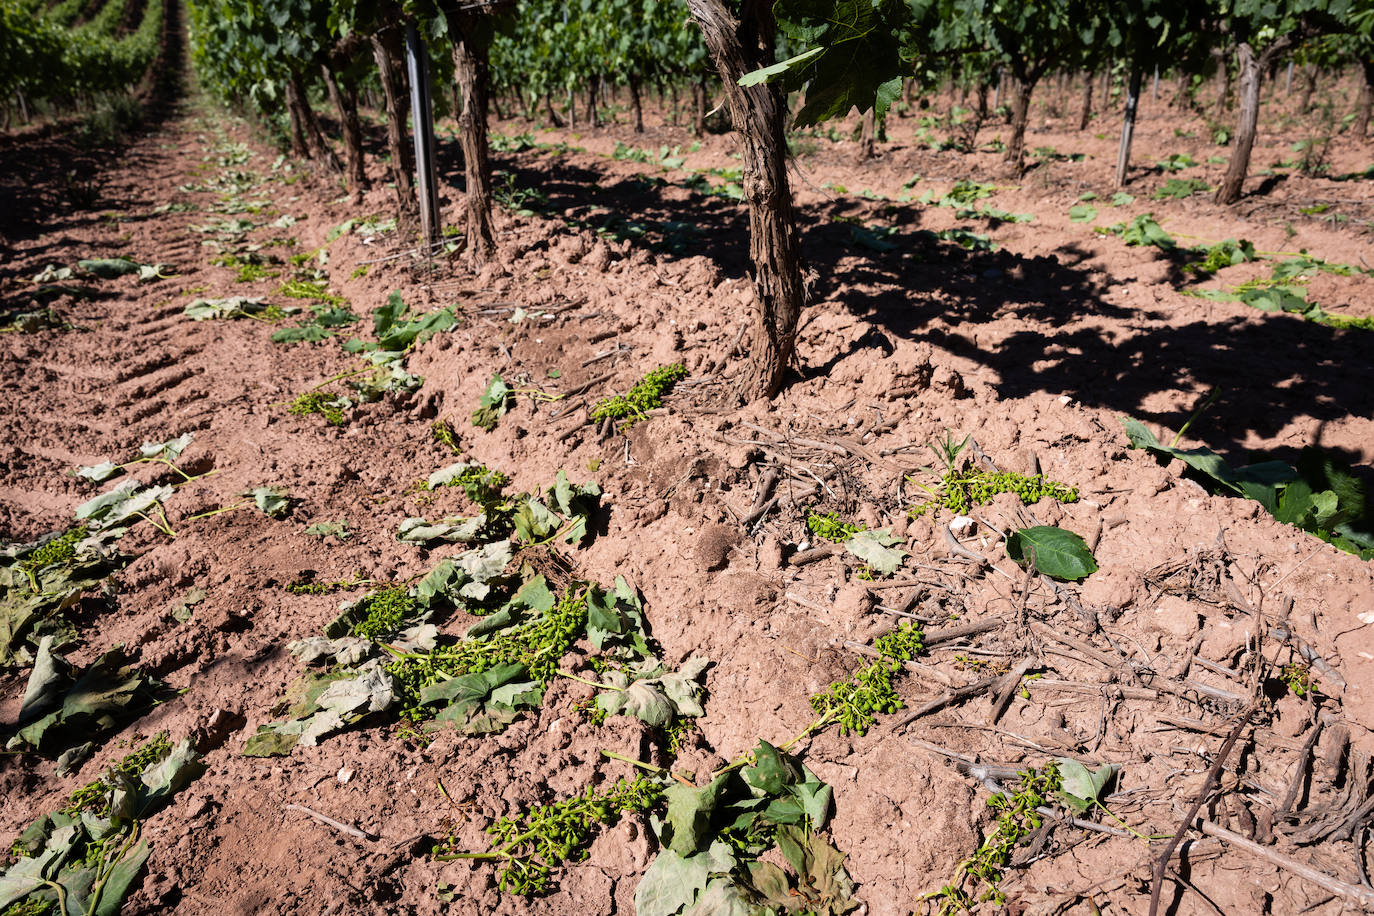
(471, 69)
(757, 113)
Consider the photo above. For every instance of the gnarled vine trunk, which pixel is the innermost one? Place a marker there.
(1251, 71)
(295, 124)
(1310, 75)
(320, 150)
(1021, 89)
(387, 51)
(345, 99)
(1366, 102)
(635, 106)
(1123, 153)
(699, 107)
(554, 119)
(1086, 114)
(866, 134)
(1223, 85)
(758, 114)
(593, 84)
(471, 68)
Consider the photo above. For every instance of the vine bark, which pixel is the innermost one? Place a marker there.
(757, 112)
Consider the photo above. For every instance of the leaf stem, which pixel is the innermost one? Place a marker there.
(647, 767)
(581, 680)
(191, 518)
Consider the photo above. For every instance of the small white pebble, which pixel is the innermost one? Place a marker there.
(344, 775)
(1366, 617)
(1065, 400)
(960, 523)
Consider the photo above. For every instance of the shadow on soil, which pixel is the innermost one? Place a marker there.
(873, 257)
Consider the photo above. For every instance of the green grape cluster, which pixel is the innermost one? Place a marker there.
(647, 394)
(538, 645)
(537, 841)
(1218, 256)
(750, 840)
(444, 435)
(902, 644)
(411, 674)
(384, 613)
(588, 710)
(482, 485)
(1298, 677)
(855, 704)
(963, 490)
(830, 527)
(57, 552)
(31, 905)
(1017, 817)
(326, 405)
(95, 797)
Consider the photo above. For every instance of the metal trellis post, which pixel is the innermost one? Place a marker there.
(422, 119)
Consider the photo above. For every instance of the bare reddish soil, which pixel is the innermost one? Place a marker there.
(1034, 350)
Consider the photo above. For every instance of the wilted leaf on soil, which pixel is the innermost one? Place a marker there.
(454, 530)
(71, 707)
(331, 703)
(615, 619)
(1079, 786)
(229, 307)
(689, 814)
(877, 547)
(168, 451)
(108, 268)
(124, 502)
(271, 502)
(330, 529)
(657, 697)
(492, 404)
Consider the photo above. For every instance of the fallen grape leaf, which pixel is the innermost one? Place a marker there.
(108, 268)
(121, 504)
(70, 707)
(1079, 786)
(688, 817)
(656, 696)
(492, 405)
(1082, 213)
(330, 529)
(231, 307)
(457, 529)
(100, 472)
(170, 450)
(1057, 553)
(271, 502)
(877, 547)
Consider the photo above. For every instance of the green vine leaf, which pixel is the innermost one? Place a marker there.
(1057, 553)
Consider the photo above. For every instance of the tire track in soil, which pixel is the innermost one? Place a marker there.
(136, 371)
